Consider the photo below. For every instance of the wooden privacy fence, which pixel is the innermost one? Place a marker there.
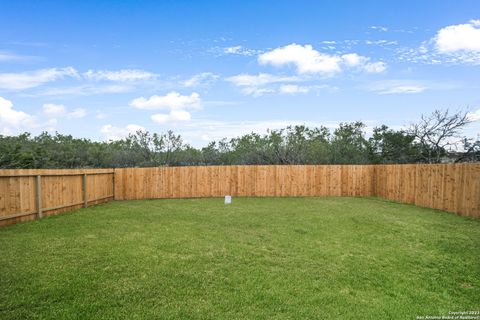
(449, 187)
(27, 194)
(244, 181)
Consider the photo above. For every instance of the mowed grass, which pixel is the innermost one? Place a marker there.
(259, 258)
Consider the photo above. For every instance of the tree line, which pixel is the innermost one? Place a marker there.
(430, 140)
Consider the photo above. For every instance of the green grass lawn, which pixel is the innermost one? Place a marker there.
(263, 258)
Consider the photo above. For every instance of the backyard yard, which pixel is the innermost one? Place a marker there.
(258, 258)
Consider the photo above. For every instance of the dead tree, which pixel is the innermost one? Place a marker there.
(438, 132)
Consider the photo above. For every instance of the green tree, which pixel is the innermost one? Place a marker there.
(390, 146)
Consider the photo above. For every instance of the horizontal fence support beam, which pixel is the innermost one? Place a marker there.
(75, 204)
(18, 215)
(53, 174)
(51, 208)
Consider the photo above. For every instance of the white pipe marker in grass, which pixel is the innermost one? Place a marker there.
(228, 199)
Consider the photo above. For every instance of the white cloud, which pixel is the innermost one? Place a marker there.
(171, 101)
(174, 102)
(403, 89)
(381, 42)
(308, 60)
(31, 79)
(460, 37)
(264, 83)
(201, 79)
(353, 59)
(379, 28)
(51, 110)
(375, 67)
(256, 92)
(293, 89)
(120, 75)
(84, 90)
(247, 80)
(397, 87)
(474, 116)
(6, 56)
(357, 61)
(173, 116)
(110, 132)
(77, 113)
(304, 58)
(455, 44)
(240, 50)
(12, 121)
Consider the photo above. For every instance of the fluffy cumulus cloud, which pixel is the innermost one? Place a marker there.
(120, 75)
(173, 116)
(177, 105)
(307, 60)
(110, 132)
(170, 101)
(460, 37)
(454, 44)
(375, 67)
(357, 61)
(12, 121)
(304, 58)
(31, 79)
(353, 59)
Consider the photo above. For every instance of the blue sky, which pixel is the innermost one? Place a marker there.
(209, 69)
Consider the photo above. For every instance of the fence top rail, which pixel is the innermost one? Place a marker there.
(369, 165)
(2, 175)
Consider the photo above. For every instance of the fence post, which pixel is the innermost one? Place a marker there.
(113, 181)
(84, 189)
(39, 197)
